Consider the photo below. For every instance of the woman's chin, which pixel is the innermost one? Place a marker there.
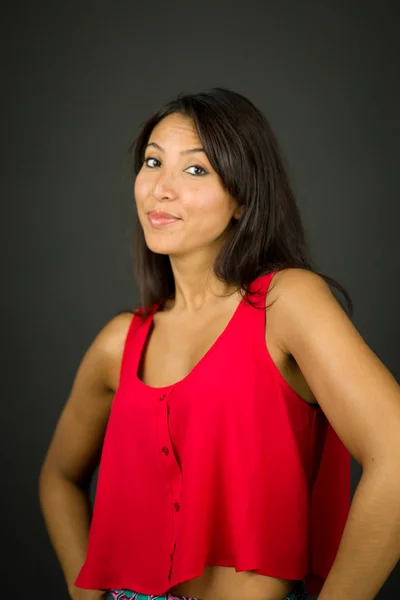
(163, 248)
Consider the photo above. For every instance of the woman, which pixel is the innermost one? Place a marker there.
(226, 409)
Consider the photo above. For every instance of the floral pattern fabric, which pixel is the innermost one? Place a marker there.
(299, 593)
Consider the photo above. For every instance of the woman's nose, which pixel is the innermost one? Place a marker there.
(164, 187)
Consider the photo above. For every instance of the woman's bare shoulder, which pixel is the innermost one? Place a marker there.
(113, 337)
(284, 280)
(75, 447)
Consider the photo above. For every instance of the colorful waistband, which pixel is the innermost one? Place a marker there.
(298, 594)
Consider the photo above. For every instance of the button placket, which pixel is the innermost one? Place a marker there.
(171, 467)
(171, 556)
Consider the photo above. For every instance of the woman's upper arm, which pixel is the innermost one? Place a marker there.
(75, 448)
(355, 390)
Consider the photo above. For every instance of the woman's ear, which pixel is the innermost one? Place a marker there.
(238, 212)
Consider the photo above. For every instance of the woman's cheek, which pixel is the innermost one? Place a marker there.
(141, 190)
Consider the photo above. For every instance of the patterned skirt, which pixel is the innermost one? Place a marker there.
(299, 593)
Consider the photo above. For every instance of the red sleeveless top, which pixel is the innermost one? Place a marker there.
(227, 467)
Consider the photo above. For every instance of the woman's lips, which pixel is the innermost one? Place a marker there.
(161, 219)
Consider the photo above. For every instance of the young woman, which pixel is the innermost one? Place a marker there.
(224, 411)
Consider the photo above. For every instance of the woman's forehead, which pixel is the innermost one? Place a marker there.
(175, 126)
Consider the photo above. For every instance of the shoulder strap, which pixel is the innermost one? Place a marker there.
(259, 288)
(133, 341)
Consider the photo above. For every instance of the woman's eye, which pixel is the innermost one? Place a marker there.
(148, 160)
(197, 168)
(154, 162)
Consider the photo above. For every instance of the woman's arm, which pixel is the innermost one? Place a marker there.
(75, 449)
(361, 400)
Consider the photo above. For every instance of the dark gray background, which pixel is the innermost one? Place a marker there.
(78, 79)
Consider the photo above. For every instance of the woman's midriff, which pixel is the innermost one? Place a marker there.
(225, 583)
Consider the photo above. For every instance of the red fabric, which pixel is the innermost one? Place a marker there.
(228, 467)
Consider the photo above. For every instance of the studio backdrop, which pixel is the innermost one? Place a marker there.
(78, 80)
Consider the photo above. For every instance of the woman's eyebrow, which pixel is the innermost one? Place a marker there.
(190, 151)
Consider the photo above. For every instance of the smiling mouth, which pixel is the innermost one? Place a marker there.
(159, 220)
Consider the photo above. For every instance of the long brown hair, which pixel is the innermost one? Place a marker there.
(243, 150)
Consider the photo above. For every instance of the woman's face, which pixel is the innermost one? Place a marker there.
(177, 178)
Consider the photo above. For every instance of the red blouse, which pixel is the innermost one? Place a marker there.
(227, 467)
